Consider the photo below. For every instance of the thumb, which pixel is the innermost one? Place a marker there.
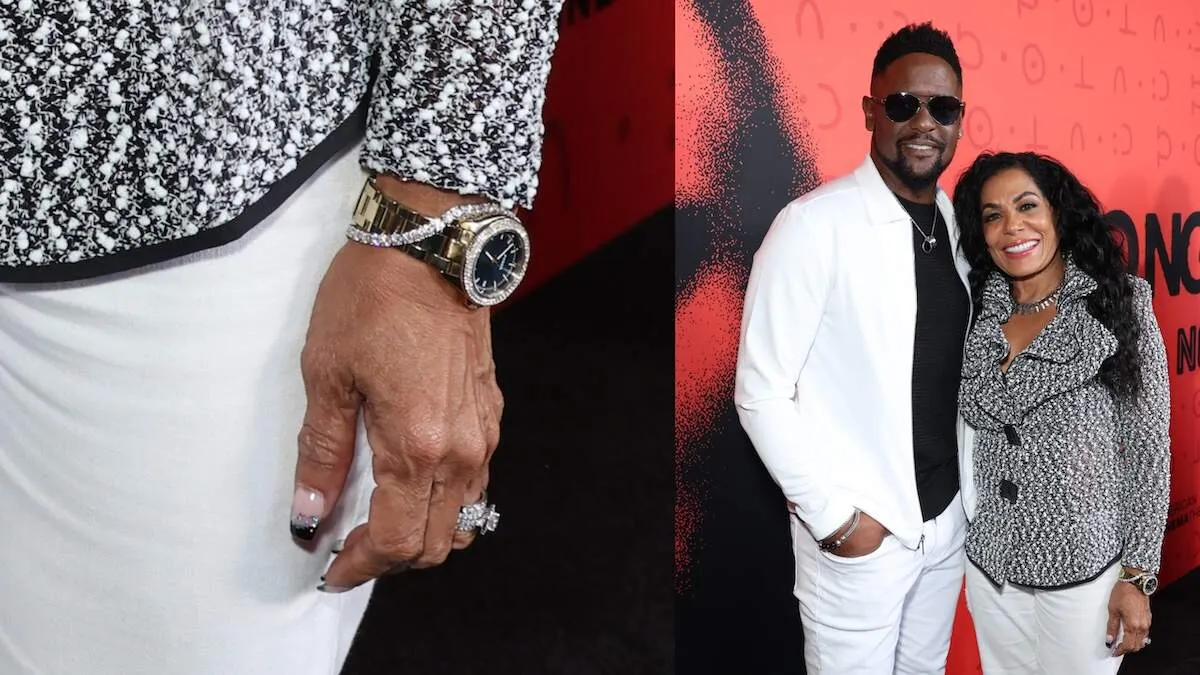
(326, 451)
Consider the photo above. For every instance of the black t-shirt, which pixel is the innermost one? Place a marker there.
(942, 311)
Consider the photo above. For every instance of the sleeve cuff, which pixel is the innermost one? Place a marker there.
(1150, 566)
(1141, 555)
(828, 520)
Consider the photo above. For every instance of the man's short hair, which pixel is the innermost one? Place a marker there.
(916, 38)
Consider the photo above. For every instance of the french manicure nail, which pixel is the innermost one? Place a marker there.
(338, 546)
(332, 589)
(308, 506)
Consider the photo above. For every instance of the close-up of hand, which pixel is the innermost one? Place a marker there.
(1128, 616)
(390, 336)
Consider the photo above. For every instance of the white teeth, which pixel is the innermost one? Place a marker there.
(916, 146)
(1022, 247)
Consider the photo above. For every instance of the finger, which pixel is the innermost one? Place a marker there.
(393, 537)
(1135, 631)
(445, 501)
(325, 443)
(408, 446)
(331, 583)
(466, 472)
(1135, 639)
(474, 493)
(490, 407)
(1110, 631)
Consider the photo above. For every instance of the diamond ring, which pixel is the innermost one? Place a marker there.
(480, 515)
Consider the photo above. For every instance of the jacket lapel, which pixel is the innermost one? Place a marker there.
(1067, 354)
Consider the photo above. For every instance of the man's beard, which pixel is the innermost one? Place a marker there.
(911, 179)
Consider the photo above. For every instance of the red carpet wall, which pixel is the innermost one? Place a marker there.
(606, 162)
(767, 107)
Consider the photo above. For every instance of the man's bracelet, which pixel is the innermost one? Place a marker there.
(836, 543)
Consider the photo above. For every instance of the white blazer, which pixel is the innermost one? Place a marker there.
(824, 368)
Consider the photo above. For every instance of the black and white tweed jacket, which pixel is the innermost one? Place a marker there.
(136, 130)
(1069, 480)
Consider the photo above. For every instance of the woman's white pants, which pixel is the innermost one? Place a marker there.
(1022, 631)
(148, 428)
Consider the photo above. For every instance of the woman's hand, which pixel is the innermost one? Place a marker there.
(390, 337)
(1128, 608)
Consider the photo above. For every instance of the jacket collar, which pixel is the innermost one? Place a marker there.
(1067, 353)
(882, 205)
(997, 298)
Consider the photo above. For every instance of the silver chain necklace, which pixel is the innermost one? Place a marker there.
(930, 241)
(1035, 307)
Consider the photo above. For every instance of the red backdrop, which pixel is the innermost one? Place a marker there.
(1110, 88)
(606, 160)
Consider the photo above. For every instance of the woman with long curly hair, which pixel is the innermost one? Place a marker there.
(1065, 391)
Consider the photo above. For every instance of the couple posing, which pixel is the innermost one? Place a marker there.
(944, 388)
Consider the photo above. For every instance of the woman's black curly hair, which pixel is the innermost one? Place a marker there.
(1084, 237)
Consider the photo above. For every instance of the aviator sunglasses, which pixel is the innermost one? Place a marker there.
(903, 106)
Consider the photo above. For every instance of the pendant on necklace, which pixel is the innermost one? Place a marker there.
(929, 243)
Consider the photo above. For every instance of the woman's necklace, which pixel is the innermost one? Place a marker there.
(1035, 307)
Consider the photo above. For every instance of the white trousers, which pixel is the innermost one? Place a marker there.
(148, 429)
(888, 612)
(1022, 631)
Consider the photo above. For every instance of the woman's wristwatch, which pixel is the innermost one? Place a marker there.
(1146, 582)
(483, 249)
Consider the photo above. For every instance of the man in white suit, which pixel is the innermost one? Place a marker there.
(847, 377)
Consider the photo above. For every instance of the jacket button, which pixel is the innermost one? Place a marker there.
(1010, 432)
(1008, 491)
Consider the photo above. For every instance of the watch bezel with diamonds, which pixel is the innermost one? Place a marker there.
(490, 229)
(452, 242)
(1149, 584)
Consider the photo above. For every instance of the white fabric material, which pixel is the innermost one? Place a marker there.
(888, 612)
(824, 368)
(1022, 631)
(147, 446)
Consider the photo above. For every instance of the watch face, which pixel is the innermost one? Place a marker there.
(1150, 585)
(496, 262)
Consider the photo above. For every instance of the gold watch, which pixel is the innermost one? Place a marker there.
(1145, 582)
(483, 249)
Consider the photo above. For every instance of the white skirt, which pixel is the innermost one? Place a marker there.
(148, 430)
